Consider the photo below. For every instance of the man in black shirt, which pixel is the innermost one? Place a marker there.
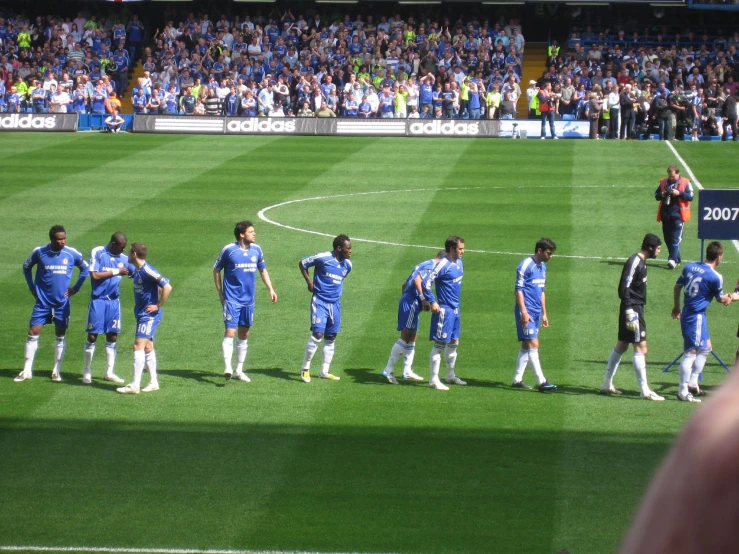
(632, 329)
(729, 115)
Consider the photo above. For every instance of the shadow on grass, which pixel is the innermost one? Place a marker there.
(277, 373)
(195, 375)
(184, 491)
(73, 379)
(371, 376)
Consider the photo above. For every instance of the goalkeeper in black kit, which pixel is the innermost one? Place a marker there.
(632, 329)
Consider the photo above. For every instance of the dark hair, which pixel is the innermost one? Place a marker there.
(56, 229)
(340, 240)
(713, 251)
(241, 228)
(674, 168)
(545, 244)
(650, 242)
(452, 242)
(118, 238)
(139, 248)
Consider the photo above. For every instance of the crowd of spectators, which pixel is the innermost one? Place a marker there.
(295, 65)
(680, 85)
(64, 64)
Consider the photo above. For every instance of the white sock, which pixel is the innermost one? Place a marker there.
(613, 360)
(110, 353)
(227, 346)
(310, 351)
(151, 365)
(408, 355)
(450, 359)
(60, 348)
(521, 362)
(328, 355)
(686, 367)
(88, 354)
(31, 347)
(435, 362)
(241, 348)
(139, 361)
(536, 366)
(396, 352)
(700, 362)
(640, 368)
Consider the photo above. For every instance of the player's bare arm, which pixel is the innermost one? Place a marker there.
(544, 318)
(164, 294)
(418, 283)
(525, 317)
(100, 275)
(676, 302)
(219, 285)
(306, 276)
(268, 283)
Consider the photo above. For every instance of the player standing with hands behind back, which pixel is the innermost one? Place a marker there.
(329, 271)
(632, 329)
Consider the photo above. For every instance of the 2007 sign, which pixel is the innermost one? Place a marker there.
(720, 214)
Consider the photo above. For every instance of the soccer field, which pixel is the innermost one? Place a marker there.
(356, 465)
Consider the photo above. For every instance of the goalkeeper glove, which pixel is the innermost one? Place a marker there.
(632, 320)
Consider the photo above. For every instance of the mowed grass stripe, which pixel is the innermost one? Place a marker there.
(13, 145)
(332, 484)
(147, 167)
(87, 159)
(608, 222)
(77, 201)
(187, 262)
(268, 452)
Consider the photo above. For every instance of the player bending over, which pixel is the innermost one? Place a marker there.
(415, 296)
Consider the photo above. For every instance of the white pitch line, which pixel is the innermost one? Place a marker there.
(263, 217)
(694, 178)
(124, 550)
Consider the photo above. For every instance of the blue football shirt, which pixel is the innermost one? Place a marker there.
(701, 284)
(146, 283)
(239, 268)
(423, 269)
(531, 280)
(54, 273)
(447, 276)
(328, 275)
(102, 260)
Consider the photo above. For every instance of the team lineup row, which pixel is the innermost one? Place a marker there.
(433, 285)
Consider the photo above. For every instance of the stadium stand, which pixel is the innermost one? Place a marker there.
(66, 64)
(671, 83)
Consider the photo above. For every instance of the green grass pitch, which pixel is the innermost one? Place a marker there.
(356, 465)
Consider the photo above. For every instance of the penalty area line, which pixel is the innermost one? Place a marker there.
(694, 178)
(125, 550)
